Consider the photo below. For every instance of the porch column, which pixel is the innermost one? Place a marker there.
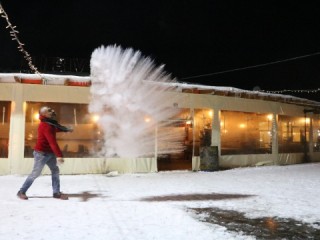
(215, 136)
(17, 131)
(274, 139)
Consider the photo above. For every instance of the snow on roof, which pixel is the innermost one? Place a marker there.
(55, 79)
(241, 93)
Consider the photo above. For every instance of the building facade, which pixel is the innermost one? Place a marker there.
(246, 128)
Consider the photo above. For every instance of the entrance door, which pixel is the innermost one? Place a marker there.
(179, 160)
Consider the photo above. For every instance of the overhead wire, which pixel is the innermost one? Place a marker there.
(262, 65)
(250, 67)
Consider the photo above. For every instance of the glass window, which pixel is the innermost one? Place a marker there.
(245, 133)
(293, 133)
(316, 133)
(196, 127)
(84, 141)
(5, 108)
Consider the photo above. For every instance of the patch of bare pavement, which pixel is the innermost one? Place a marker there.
(195, 197)
(261, 228)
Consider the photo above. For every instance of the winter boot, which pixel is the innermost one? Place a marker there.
(61, 196)
(22, 195)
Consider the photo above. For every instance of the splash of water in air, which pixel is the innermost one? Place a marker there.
(128, 93)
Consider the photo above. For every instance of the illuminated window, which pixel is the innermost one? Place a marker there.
(316, 133)
(293, 133)
(5, 108)
(245, 133)
(84, 141)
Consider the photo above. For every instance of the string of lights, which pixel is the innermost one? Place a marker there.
(14, 37)
(293, 91)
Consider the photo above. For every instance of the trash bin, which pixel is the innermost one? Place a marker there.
(209, 158)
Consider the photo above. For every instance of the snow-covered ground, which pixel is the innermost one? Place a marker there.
(104, 207)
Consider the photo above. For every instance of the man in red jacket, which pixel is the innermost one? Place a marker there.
(46, 152)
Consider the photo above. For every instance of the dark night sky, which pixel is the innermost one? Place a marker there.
(191, 37)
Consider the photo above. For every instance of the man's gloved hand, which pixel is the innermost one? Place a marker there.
(60, 160)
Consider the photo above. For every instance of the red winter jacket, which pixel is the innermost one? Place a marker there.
(47, 141)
